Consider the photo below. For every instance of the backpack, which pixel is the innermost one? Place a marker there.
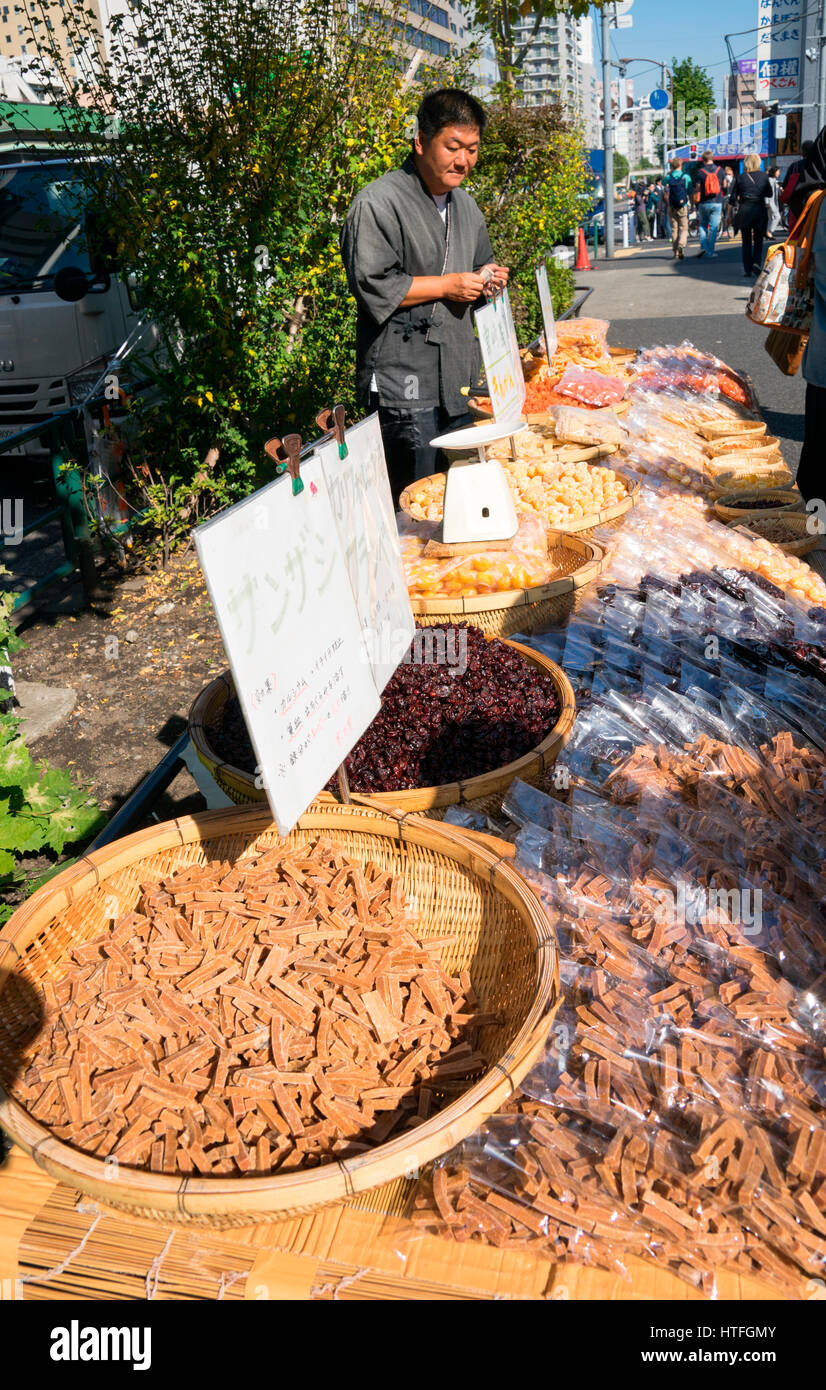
(711, 185)
(677, 191)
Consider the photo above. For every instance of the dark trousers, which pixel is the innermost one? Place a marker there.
(753, 234)
(407, 435)
(811, 472)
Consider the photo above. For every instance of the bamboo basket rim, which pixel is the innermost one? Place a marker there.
(720, 484)
(592, 565)
(727, 512)
(571, 528)
(414, 799)
(242, 1198)
(730, 429)
(798, 521)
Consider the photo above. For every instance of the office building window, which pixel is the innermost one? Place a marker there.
(428, 11)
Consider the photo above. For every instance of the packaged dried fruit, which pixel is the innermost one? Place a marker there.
(589, 427)
(583, 386)
(524, 565)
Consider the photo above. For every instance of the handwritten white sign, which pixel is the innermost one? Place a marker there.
(547, 306)
(500, 354)
(366, 521)
(279, 584)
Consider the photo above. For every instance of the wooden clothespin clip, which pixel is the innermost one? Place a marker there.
(286, 454)
(332, 422)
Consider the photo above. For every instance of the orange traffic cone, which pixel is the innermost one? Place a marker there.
(582, 262)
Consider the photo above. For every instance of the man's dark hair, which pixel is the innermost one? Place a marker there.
(774, 171)
(449, 106)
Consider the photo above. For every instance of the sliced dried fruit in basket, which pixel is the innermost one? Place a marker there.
(525, 564)
(267, 1015)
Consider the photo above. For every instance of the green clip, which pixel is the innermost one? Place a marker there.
(343, 451)
(280, 468)
(298, 486)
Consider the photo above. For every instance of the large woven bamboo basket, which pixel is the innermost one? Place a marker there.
(765, 447)
(800, 540)
(462, 889)
(744, 475)
(577, 561)
(482, 793)
(583, 526)
(782, 501)
(720, 429)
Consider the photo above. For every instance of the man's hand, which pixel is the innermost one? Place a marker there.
(495, 277)
(464, 286)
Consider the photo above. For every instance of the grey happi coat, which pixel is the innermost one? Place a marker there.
(393, 231)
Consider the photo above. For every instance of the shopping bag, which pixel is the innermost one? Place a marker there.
(783, 296)
(786, 349)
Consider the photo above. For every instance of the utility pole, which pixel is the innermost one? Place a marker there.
(668, 117)
(608, 132)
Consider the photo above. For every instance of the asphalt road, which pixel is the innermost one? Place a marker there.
(650, 298)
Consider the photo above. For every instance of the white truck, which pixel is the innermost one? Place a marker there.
(59, 319)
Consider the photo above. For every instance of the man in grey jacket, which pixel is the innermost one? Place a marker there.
(418, 260)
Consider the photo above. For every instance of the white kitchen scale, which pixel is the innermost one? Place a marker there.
(478, 503)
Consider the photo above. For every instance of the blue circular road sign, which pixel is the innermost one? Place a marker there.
(658, 99)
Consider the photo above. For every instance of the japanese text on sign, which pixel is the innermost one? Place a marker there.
(363, 510)
(500, 354)
(778, 45)
(281, 591)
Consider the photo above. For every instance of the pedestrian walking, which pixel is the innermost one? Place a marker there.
(794, 173)
(418, 260)
(709, 200)
(677, 190)
(640, 213)
(661, 209)
(775, 219)
(651, 208)
(727, 204)
(811, 473)
(752, 191)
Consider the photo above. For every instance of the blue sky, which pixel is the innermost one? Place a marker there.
(667, 30)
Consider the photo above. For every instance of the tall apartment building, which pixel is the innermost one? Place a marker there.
(427, 30)
(559, 66)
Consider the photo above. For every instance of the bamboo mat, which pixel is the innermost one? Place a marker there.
(59, 1245)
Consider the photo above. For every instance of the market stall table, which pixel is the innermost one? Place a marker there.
(342, 1252)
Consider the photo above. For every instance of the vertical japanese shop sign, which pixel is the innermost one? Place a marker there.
(547, 306)
(779, 42)
(362, 506)
(500, 354)
(279, 584)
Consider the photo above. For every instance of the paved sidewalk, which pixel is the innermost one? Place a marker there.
(651, 298)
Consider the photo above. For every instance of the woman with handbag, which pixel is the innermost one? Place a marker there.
(752, 189)
(811, 472)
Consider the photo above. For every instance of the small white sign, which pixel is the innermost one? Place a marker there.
(500, 354)
(547, 305)
(279, 584)
(366, 521)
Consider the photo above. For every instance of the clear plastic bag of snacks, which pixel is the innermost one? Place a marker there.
(592, 428)
(524, 565)
(588, 332)
(582, 386)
